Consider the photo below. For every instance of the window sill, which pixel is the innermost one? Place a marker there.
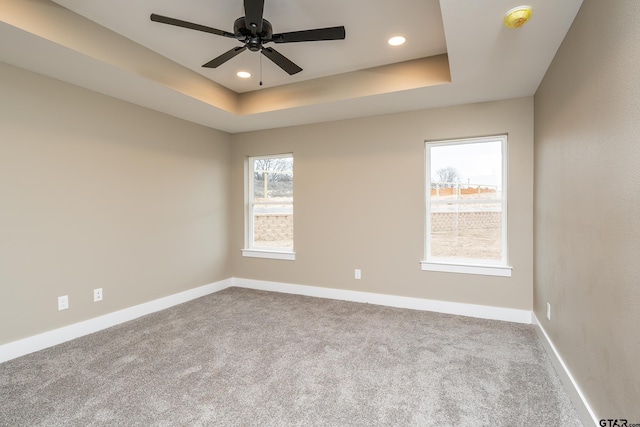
(271, 254)
(484, 270)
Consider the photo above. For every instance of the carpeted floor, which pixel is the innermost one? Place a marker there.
(250, 358)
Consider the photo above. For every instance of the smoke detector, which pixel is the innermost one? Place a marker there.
(517, 17)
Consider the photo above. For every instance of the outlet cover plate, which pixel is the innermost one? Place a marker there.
(97, 295)
(548, 311)
(63, 302)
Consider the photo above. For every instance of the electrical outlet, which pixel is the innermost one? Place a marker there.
(63, 302)
(97, 295)
(358, 274)
(548, 311)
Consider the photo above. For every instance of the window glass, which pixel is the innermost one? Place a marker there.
(466, 205)
(271, 202)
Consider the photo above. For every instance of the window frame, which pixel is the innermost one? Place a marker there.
(467, 265)
(250, 249)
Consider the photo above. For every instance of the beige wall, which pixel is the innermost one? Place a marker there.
(359, 203)
(587, 216)
(95, 192)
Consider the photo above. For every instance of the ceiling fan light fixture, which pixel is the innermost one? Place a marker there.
(396, 41)
(517, 17)
(243, 74)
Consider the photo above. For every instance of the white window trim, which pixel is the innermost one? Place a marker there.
(483, 270)
(271, 254)
(471, 266)
(249, 249)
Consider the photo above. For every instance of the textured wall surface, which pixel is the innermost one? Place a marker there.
(99, 193)
(360, 203)
(587, 242)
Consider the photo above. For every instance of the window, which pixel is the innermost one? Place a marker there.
(466, 206)
(269, 207)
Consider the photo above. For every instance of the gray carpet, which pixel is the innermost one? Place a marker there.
(247, 358)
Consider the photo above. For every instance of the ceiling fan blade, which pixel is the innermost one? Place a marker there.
(214, 63)
(331, 33)
(281, 60)
(253, 10)
(190, 25)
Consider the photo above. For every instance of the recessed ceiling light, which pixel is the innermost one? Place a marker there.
(396, 41)
(517, 17)
(243, 74)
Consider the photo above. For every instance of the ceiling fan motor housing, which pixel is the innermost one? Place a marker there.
(254, 43)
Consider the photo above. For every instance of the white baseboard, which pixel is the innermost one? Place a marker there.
(582, 407)
(461, 309)
(58, 336)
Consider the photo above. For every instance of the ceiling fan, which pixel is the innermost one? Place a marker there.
(254, 31)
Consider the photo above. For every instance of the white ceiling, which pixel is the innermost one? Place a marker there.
(486, 60)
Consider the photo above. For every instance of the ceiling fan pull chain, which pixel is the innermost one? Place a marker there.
(260, 70)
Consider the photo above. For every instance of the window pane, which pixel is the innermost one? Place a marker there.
(270, 205)
(273, 226)
(273, 179)
(466, 171)
(470, 231)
